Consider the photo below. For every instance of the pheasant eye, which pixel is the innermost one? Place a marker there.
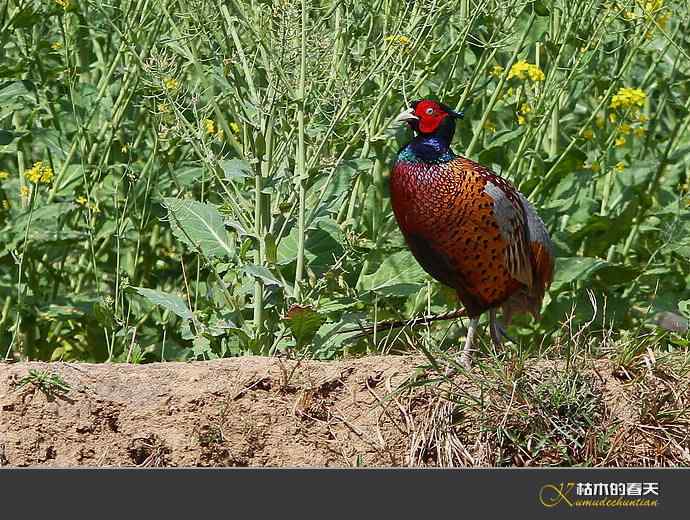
(429, 111)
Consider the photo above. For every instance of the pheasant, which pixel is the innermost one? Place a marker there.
(469, 228)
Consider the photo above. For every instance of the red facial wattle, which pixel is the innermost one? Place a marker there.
(429, 124)
(430, 116)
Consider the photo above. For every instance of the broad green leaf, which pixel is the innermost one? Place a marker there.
(42, 215)
(541, 8)
(330, 190)
(7, 136)
(86, 101)
(601, 232)
(614, 274)
(303, 322)
(396, 273)
(46, 224)
(637, 175)
(168, 301)
(201, 347)
(27, 17)
(321, 248)
(330, 338)
(13, 91)
(263, 274)
(502, 138)
(50, 139)
(236, 169)
(684, 308)
(183, 176)
(573, 160)
(573, 269)
(199, 224)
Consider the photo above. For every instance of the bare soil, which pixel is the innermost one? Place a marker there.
(249, 411)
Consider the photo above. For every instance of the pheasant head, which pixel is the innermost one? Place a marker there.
(434, 126)
(428, 117)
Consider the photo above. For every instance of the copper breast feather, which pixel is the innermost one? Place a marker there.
(473, 231)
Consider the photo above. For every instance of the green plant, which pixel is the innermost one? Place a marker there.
(47, 382)
(206, 165)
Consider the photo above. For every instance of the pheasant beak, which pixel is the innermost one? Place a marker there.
(457, 115)
(407, 116)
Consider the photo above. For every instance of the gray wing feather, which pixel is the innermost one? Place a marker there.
(511, 223)
(535, 225)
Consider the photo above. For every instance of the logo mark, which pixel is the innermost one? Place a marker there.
(550, 495)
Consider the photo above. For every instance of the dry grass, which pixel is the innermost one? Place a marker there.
(594, 398)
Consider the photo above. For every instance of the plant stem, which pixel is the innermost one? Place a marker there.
(555, 113)
(301, 160)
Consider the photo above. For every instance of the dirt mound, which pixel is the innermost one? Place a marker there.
(256, 411)
(232, 412)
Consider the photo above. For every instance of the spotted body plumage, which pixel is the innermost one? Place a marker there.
(468, 227)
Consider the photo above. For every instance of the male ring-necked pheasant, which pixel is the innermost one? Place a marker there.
(467, 227)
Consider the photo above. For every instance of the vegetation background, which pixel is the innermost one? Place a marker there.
(192, 179)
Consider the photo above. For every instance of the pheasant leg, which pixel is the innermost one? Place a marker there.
(466, 357)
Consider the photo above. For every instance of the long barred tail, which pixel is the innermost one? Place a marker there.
(389, 325)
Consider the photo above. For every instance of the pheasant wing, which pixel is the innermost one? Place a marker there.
(511, 218)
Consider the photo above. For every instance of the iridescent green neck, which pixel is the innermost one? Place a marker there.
(426, 149)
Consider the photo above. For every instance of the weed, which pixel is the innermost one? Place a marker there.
(202, 179)
(50, 383)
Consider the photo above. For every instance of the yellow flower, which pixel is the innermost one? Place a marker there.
(489, 126)
(63, 3)
(25, 192)
(163, 108)
(4, 175)
(210, 126)
(399, 39)
(613, 117)
(535, 73)
(124, 148)
(525, 108)
(620, 141)
(521, 119)
(81, 200)
(620, 166)
(628, 97)
(56, 46)
(625, 129)
(496, 71)
(234, 128)
(39, 173)
(523, 70)
(588, 134)
(640, 131)
(519, 70)
(171, 84)
(599, 121)
(629, 15)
